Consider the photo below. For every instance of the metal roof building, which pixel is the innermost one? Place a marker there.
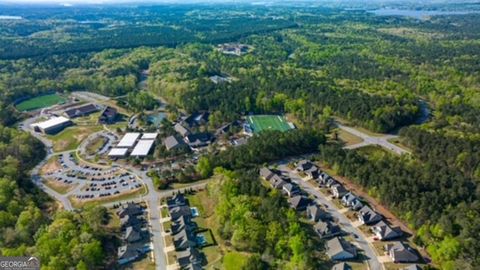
(149, 136)
(142, 148)
(129, 140)
(53, 125)
(118, 152)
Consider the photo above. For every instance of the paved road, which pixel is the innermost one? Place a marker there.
(344, 222)
(372, 140)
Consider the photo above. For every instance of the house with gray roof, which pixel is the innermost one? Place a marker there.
(266, 173)
(338, 190)
(351, 201)
(183, 131)
(383, 231)
(129, 220)
(184, 239)
(290, 189)
(367, 216)
(298, 202)
(304, 165)
(131, 209)
(316, 213)
(173, 142)
(401, 253)
(330, 182)
(189, 258)
(326, 229)
(339, 249)
(176, 200)
(178, 211)
(132, 234)
(127, 253)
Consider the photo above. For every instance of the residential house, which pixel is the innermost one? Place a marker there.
(189, 258)
(313, 172)
(183, 223)
(315, 213)
(384, 232)
(196, 119)
(176, 200)
(132, 234)
(173, 142)
(326, 229)
(401, 253)
(184, 239)
(131, 209)
(367, 216)
(178, 211)
(290, 189)
(339, 249)
(330, 182)
(298, 202)
(304, 165)
(129, 220)
(127, 253)
(351, 201)
(338, 190)
(183, 131)
(266, 173)
(342, 266)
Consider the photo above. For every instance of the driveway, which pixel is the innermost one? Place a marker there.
(343, 221)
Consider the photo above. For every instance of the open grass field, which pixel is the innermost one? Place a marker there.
(40, 102)
(259, 123)
(234, 260)
(71, 137)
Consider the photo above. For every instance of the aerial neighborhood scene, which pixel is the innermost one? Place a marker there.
(240, 135)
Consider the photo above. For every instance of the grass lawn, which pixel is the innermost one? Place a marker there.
(259, 123)
(59, 187)
(348, 138)
(398, 266)
(93, 147)
(145, 264)
(164, 212)
(358, 266)
(120, 197)
(185, 185)
(40, 102)
(71, 137)
(234, 260)
(379, 247)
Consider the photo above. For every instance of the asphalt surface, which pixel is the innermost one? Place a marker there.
(344, 222)
(373, 140)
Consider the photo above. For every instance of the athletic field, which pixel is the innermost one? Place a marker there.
(39, 102)
(258, 123)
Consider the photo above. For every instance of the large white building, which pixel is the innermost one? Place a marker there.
(142, 148)
(118, 152)
(53, 125)
(129, 140)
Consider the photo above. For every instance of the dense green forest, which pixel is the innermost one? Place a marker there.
(259, 221)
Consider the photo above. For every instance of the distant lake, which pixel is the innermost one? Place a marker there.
(418, 14)
(6, 17)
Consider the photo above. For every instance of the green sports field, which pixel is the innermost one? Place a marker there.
(40, 102)
(258, 123)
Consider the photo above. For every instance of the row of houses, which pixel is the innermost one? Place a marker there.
(184, 233)
(398, 251)
(134, 236)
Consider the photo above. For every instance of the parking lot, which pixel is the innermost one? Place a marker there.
(93, 182)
